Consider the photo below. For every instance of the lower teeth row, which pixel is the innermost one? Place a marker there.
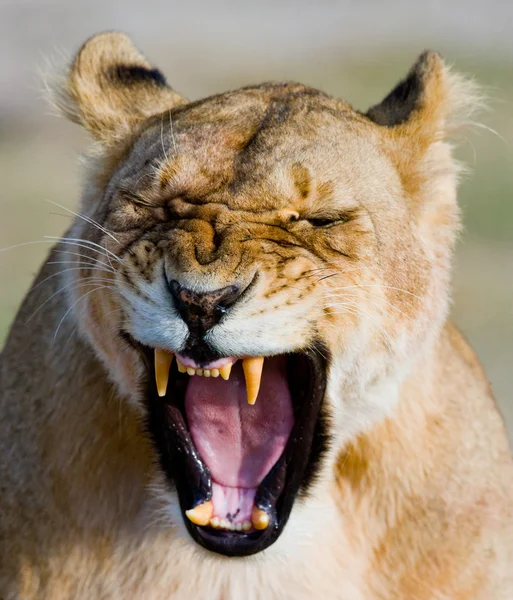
(217, 523)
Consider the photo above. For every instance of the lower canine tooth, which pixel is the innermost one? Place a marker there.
(253, 374)
(163, 362)
(225, 371)
(201, 514)
(259, 518)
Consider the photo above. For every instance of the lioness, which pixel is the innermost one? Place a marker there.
(238, 380)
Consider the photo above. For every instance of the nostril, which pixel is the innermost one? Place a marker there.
(203, 309)
(230, 294)
(221, 309)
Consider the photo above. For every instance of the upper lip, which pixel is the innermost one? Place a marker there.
(214, 364)
(183, 465)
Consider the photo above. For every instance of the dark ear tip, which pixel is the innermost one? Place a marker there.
(128, 75)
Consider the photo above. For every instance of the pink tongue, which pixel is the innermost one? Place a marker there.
(239, 443)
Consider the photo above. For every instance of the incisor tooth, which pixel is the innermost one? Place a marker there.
(206, 373)
(181, 368)
(259, 518)
(214, 522)
(246, 526)
(191, 371)
(253, 374)
(214, 372)
(201, 514)
(163, 362)
(224, 371)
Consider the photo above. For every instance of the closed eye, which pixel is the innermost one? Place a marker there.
(136, 199)
(329, 220)
(322, 222)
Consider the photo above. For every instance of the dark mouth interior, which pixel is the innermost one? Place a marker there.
(291, 474)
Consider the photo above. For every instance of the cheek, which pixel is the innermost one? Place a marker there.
(105, 311)
(348, 304)
(100, 319)
(338, 324)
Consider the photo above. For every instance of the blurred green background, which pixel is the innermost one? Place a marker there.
(354, 50)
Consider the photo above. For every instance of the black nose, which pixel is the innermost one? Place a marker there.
(201, 311)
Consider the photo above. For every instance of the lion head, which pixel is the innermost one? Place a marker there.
(263, 267)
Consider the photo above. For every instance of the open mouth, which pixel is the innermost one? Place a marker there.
(240, 438)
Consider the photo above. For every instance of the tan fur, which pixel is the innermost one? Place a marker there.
(414, 500)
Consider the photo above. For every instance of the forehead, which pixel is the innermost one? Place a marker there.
(279, 141)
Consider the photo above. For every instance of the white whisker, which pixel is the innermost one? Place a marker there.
(58, 273)
(97, 260)
(75, 240)
(172, 132)
(374, 296)
(25, 244)
(380, 329)
(87, 219)
(78, 262)
(486, 128)
(162, 137)
(74, 304)
(80, 282)
(389, 287)
(112, 311)
(53, 239)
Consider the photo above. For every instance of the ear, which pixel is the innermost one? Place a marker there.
(419, 95)
(111, 88)
(422, 111)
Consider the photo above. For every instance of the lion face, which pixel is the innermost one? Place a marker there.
(274, 262)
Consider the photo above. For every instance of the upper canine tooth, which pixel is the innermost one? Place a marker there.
(253, 374)
(259, 518)
(225, 371)
(163, 362)
(201, 514)
(181, 368)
